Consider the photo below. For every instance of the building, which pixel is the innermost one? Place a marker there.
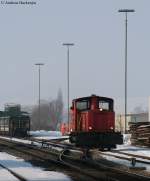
(133, 118)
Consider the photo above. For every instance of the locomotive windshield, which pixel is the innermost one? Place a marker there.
(94, 102)
(105, 104)
(83, 105)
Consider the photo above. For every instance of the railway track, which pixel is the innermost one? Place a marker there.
(127, 156)
(96, 170)
(49, 156)
(15, 174)
(105, 172)
(114, 153)
(132, 155)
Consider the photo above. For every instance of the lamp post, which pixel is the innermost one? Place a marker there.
(126, 11)
(39, 111)
(68, 78)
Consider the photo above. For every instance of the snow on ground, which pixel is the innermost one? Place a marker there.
(46, 135)
(128, 148)
(40, 135)
(50, 137)
(38, 174)
(6, 176)
(17, 140)
(26, 170)
(127, 162)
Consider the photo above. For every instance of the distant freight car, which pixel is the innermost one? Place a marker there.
(14, 122)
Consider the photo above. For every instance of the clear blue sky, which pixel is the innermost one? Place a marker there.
(35, 33)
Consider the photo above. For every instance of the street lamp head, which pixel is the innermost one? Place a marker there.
(126, 10)
(68, 44)
(39, 64)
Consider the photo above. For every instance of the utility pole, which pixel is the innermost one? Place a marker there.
(68, 77)
(39, 111)
(126, 11)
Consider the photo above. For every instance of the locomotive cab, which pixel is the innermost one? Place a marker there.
(93, 123)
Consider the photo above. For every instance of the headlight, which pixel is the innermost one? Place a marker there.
(90, 128)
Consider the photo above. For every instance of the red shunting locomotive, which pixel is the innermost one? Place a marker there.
(92, 123)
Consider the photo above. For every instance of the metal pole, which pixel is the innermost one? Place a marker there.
(126, 11)
(39, 111)
(39, 97)
(126, 21)
(68, 80)
(68, 85)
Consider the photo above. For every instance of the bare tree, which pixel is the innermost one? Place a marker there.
(56, 111)
(50, 114)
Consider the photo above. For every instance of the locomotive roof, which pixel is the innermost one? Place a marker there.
(100, 97)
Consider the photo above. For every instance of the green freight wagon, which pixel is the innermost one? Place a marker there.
(14, 122)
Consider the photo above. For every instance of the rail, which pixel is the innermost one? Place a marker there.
(18, 176)
(93, 169)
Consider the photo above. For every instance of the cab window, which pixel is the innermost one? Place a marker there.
(105, 105)
(83, 105)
